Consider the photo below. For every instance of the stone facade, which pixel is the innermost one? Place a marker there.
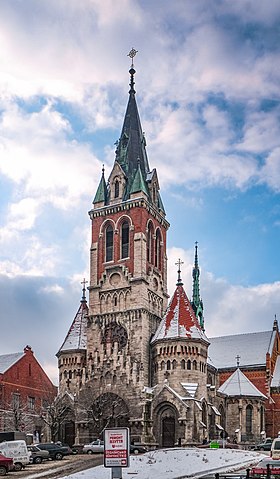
(133, 364)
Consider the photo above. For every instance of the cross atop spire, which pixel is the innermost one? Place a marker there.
(132, 54)
(179, 280)
(84, 282)
(237, 360)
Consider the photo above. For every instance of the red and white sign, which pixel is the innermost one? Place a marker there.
(116, 447)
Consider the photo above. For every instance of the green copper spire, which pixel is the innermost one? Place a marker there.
(196, 301)
(102, 192)
(138, 183)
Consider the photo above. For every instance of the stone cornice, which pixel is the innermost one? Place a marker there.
(127, 205)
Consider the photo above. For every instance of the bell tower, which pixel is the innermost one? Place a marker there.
(128, 287)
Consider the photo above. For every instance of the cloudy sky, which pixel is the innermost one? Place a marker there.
(208, 94)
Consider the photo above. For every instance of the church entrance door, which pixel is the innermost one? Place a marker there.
(168, 431)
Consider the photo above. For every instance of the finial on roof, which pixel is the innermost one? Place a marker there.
(237, 360)
(179, 280)
(103, 170)
(84, 282)
(275, 324)
(132, 72)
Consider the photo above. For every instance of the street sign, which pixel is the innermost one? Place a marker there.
(116, 447)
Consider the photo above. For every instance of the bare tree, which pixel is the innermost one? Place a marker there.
(106, 410)
(55, 414)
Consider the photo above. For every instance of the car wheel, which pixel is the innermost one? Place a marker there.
(18, 466)
(261, 448)
(89, 451)
(37, 460)
(135, 451)
(58, 456)
(3, 471)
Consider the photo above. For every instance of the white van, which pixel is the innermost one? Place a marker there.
(275, 448)
(17, 450)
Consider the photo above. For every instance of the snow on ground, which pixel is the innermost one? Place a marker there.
(178, 463)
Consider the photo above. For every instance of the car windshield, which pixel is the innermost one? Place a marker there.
(271, 462)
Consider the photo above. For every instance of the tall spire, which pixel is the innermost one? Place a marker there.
(196, 301)
(132, 145)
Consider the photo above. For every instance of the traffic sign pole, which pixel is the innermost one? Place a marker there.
(116, 473)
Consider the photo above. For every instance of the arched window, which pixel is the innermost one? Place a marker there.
(204, 414)
(109, 243)
(195, 365)
(125, 240)
(183, 364)
(223, 416)
(150, 243)
(189, 364)
(168, 365)
(262, 419)
(158, 250)
(249, 417)
(174, 364)
(117, 189)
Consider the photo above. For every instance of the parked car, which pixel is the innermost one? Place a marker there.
(260, 470)
(37, 455)
(137, 449)
(55, 451)
(93, 447)
(17, 450)
(70, 450)
(263, 446)
(275, 448)
(6, 465)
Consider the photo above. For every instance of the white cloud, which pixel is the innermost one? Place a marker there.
(228, 308)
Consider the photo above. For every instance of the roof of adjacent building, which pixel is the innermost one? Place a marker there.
(239, 385)
(250, 348)
(179, 320)
(275, 383)
(76, 338)
(8, 360)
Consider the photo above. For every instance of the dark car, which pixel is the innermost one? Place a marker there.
(6, 465)
(134, 449)
(37, 454)
(263, 446)
(56, 452)
(260, 470)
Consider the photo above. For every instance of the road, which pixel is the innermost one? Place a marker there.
(57, 469)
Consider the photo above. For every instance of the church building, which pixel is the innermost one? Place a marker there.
(134, 358)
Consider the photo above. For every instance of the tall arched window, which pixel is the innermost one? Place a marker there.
(158, 250)
(117, 189)
(109, 243)
(262, 426)
(125, 240)
(150, 243)
(223, 416)
(249, 418)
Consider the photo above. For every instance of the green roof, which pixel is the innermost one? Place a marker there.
(102, 192)
(138, 183)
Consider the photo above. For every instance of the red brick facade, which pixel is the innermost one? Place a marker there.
(25, 392)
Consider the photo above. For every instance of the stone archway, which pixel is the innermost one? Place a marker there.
(166, 425)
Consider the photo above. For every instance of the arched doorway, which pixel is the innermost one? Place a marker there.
(168, 431)
(166, 428)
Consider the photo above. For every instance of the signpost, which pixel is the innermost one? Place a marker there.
(116, 450)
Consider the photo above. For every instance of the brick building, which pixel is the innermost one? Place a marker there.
(25, 393)
(130, 360)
